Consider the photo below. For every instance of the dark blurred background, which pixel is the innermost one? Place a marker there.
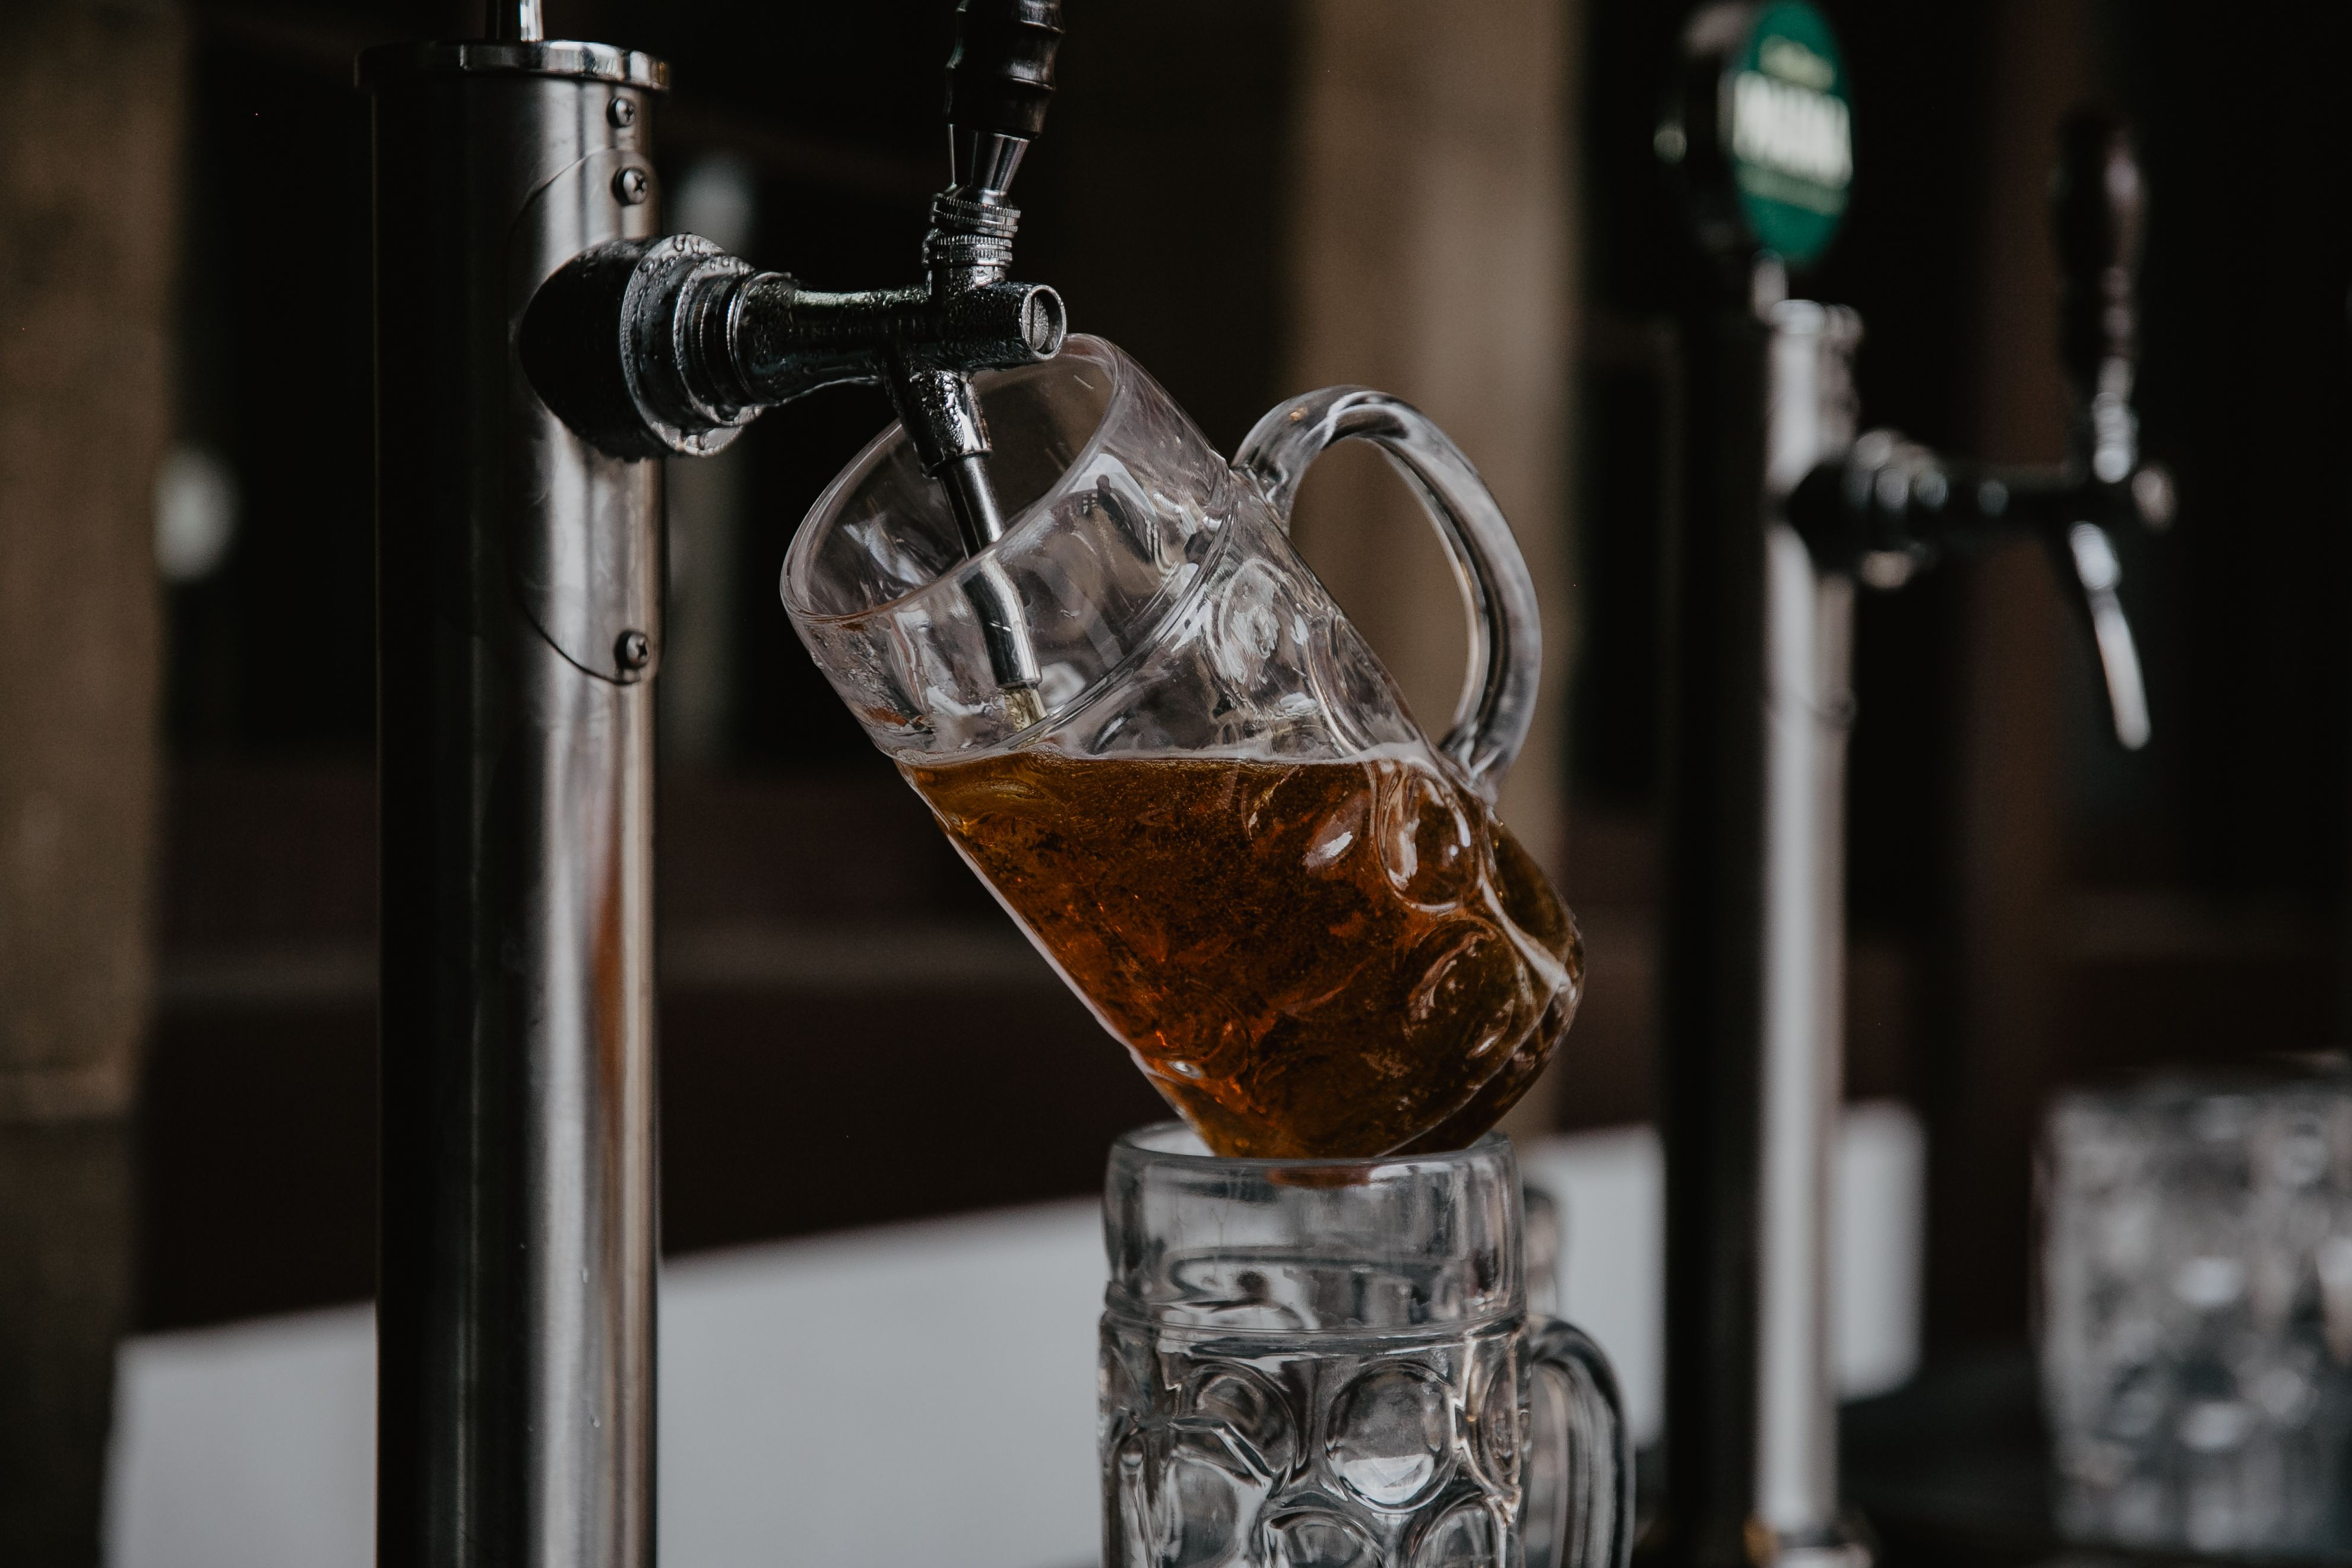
(2029, 907)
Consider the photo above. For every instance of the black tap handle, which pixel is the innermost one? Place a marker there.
(2098, 210)
(1001, 75)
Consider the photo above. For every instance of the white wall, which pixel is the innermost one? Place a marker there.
(920, 1393)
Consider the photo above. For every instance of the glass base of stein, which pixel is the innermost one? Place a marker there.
(1330, 1363)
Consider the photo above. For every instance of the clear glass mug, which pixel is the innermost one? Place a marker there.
(2196, 1313)
(1210, 811)
(1332, 1362)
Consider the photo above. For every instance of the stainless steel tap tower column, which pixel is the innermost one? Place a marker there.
(1809, 420)
(1752, 938)
(1784, 512)
(538, 352)
(1754, 945)
(518, 586)
(1755, 953)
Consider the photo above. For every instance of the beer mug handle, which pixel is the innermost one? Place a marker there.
(1497, 702)
(1581, 1515)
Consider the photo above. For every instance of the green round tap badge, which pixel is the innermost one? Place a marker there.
(1788, 130)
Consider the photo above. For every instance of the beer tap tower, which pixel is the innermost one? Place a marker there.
(1783, 512)
(540, 349)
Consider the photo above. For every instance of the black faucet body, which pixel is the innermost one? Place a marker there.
(1891, 508)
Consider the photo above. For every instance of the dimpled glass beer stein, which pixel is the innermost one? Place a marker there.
(1199, 794)
(1330, 1363)
(2197, 1314)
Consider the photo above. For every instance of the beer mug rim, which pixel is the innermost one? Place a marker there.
(1443, 1225)
(1079, 351)
(1176, 1144)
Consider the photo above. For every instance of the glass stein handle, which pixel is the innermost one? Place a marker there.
(1497, 702)
(1578, 1510)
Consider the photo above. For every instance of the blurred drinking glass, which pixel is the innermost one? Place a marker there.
(2197, 1313)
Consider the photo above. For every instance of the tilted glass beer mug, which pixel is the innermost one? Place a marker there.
(1332, 1362)
(1209, 807)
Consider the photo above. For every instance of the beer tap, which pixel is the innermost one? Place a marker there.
(648, 347)
(1784, 512)
(1892, 509)
(539, 347)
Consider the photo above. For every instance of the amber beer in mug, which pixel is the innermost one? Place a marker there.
(1301, 916)
(1332, 957)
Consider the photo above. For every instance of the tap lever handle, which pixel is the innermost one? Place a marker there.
(2085, 561)
(1001, 76)
(2098, 211)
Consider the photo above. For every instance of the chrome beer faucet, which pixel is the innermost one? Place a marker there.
(541, 347)
(1892, 509)
(648, 347)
